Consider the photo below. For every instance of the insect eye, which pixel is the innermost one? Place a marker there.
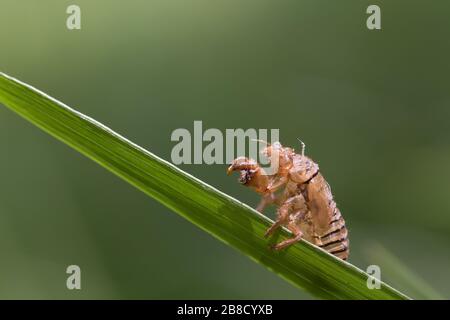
(246, 176)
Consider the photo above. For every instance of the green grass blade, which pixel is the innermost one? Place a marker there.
(224, 217)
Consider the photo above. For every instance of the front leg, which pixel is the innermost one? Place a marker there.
(268, 199)
(275, 185)
(283, 215)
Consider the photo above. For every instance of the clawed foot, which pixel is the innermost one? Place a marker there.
(272, 229)
(285, 243)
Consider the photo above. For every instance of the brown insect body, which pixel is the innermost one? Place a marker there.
(305, 206)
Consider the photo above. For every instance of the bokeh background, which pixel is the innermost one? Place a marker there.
(372, 107)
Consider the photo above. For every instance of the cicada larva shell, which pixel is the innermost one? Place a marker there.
(330, 230)
(305, 204)
(335, 240)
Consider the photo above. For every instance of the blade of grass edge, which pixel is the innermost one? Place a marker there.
(236, 224)
(400, 273)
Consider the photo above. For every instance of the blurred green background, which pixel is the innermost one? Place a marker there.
(372, 107)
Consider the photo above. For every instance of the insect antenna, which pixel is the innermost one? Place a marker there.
(303, 146)
(262, 141)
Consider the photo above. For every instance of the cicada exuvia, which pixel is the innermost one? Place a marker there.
(303, 198)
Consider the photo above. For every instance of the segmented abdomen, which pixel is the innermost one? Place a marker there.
(335, 239)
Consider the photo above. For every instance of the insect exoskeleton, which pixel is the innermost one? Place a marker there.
(303, 197)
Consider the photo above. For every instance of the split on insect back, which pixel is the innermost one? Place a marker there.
(303, 198)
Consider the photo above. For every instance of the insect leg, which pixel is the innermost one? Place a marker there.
(266, 200)
(270, 198)
(293, 227)
(283, 214)
(295, 203)
(293, 209)
(274, 186)
(242, 163)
